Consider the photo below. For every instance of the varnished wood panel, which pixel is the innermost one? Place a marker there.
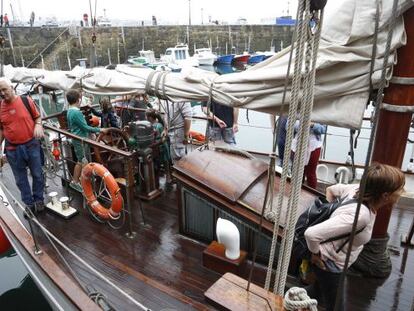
(226, 174)
(229, 293)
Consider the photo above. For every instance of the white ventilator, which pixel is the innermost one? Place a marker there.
(229, 236)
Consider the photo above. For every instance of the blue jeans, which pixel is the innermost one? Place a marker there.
(28, 155)
(225, 134)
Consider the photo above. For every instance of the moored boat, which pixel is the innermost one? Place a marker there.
(178, 57)
(205, 56)
(256, 58)
(241, 58)
(224, 59)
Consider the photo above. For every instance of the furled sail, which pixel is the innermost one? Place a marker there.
(342, 76)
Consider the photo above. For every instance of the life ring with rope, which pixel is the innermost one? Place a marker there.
(97, 169)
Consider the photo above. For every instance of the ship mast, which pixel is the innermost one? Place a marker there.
(389, 147)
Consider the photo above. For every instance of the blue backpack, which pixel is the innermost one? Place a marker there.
(317, 213)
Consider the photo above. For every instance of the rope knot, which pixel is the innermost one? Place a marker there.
(297, 298)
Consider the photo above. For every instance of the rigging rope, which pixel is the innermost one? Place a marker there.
(312, 20)
(40, 54)
(275, 216)
(370, 146)
(352, 153)
(77, 257)
(306, 23)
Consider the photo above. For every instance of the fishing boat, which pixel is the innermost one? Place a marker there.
(146, 58)
(256, 58)
(178, 57)
(160, 252)
(224, 59)
(224, 69)
(241, 58)
(205, 56)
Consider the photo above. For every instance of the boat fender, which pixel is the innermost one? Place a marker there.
(96, 169)
(228, 235)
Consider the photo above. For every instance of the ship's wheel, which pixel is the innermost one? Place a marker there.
(115, 138)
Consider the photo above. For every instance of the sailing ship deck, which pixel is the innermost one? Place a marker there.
(163, 269)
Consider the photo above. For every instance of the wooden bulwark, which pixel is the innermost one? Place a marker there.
(74, 292)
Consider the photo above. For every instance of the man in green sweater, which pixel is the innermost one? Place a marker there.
(78, 126)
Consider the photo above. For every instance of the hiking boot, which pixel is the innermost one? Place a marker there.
(76, 186)
(39, 206)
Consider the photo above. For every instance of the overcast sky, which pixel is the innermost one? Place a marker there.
(166, 10)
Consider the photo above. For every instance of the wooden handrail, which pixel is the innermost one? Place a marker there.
(89, 141)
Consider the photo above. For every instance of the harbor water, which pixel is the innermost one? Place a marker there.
(18, 292)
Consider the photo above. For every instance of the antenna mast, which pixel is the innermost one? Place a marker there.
(12, 11)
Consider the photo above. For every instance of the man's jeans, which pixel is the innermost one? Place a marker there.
(225, 134)
(28, 155)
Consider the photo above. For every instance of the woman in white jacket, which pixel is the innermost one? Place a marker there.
(383, 187)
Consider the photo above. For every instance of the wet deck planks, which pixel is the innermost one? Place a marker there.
(163, 269)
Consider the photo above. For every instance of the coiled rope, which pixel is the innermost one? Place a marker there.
(296, 298)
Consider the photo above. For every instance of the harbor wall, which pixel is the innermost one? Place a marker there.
(115, 44)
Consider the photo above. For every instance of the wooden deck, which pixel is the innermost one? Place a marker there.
(163, 269)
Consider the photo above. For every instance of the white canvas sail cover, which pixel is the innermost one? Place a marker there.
(342, 76)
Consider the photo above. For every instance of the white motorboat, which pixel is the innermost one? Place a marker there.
(205, 56)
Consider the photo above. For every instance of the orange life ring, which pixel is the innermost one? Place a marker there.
(4, 242)
(116, 207)
(197, 136)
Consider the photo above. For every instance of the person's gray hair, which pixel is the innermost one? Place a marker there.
(6, 80)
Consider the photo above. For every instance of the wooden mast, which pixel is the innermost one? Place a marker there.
(393, 127)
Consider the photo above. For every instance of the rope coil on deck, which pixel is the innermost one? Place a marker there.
(296, 298)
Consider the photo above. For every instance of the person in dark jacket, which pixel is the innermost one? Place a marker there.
(108, 115)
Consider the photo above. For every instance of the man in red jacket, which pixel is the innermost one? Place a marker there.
(22, 130)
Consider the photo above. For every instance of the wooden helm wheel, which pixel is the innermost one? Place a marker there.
(115, 138)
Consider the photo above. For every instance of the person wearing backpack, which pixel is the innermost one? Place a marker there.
(21, 127)
(384, 186)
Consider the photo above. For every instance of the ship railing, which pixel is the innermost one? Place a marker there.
(330, 137)
(61, 168)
